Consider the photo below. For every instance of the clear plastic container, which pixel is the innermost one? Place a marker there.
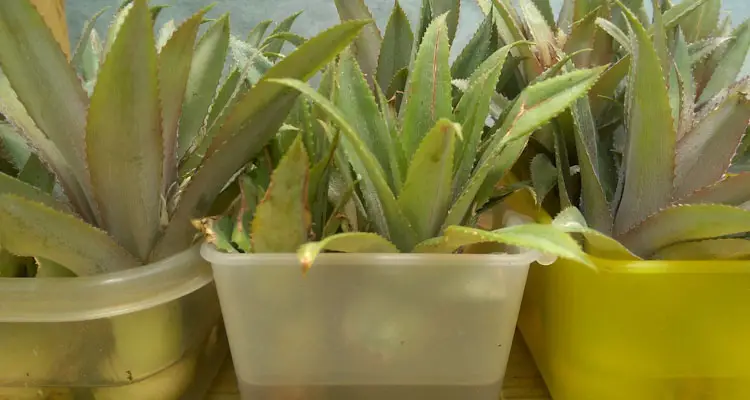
(141, 334)
(370, 326)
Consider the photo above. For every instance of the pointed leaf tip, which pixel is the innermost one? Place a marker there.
(429, 87)
(355, 242)
(425, 202)
(395, 51)
(282, 219)
(206, 68)
(367, 46)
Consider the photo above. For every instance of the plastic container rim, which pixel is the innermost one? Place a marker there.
(215, 257)
(105, 295)
(668, 267)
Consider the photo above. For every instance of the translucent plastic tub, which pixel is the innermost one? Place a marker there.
(141, 334)
(647, 330)
(370, 326)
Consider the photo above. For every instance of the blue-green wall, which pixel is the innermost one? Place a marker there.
(317, 15)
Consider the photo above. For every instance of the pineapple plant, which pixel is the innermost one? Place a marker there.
(396, 156)
(659, 167)
(109, 141)
(648, 172)
(385, 147)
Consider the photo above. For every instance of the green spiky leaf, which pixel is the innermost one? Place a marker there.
(114, 26)
(255, 37)
(701, 50)
(237, 142)
(205, 71)
(282, 219)
(219, 232)
(343, 181)
(378, 195)
(508, 25)
(586, 35)
(683, 76)
(274, 45)
(50, 92)
(50, 269)
(677, 12)
(395, 90)
(165, 33)
(705, 153)
(395, 51)
(544, 38)
(355, 242)
(660, 39)
(425, 17)
(124, 134)
(543, 177)
(367, 46)
(731, 63)
(249, 199)
(649, 156)
(87, 67)
(36, 174)
(232, 88)
(343, 200)
(425, 202)
(13, 149)
(472, 110)
(571, 220)
(685, 223)
(702, 21)
(545, 8)
(710, 250)
(564, 173)
(174, 68)
(10, 185)
(536, 106)
(429, 87)
(541, 237)
(452, 10)
(593, 181)
(286, 37)
(482, 44)
(30, 229)
(616, 33)
(357, 104)
(249, 60)
(733, 190)
(19, 152)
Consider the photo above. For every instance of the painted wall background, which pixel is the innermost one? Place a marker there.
(317, 14)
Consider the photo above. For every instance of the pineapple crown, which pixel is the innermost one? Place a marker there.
(655, 155)
(410, 167)
(133, 132)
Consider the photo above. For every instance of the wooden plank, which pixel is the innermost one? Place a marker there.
(522, 380)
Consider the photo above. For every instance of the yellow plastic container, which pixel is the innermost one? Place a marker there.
(643, 330)
(640, 330)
